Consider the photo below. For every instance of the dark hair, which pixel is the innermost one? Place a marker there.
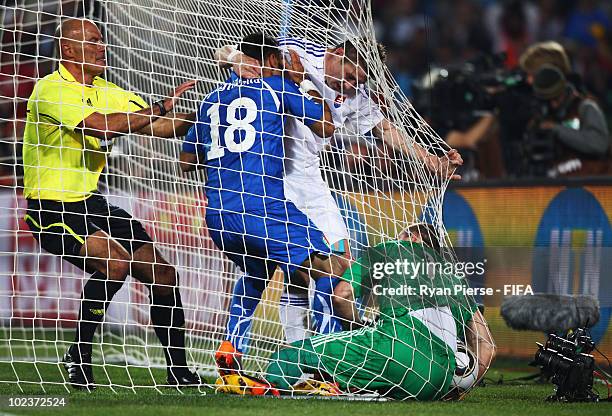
(258, 46)
(355, 48)
(428, 234)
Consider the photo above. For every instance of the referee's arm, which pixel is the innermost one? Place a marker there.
(108, 126)
(171, 125)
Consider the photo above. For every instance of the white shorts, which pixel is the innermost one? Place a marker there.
(312, 196)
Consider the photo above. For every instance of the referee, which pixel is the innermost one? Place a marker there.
(73, 118)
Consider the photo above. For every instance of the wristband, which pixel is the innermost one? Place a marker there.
(307, 85)
(232, 55)
(162, 109)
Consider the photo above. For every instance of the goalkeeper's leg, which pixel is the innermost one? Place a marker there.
(405, 363)
(289, 366)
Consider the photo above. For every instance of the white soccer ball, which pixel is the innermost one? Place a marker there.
(466, 370)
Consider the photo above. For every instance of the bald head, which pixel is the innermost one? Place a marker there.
(73, 29)
(80, 43)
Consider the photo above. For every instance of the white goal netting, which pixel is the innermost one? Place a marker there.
(153, 46)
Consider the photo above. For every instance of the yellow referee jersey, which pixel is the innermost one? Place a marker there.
(60, 163)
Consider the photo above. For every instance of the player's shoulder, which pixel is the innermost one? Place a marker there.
(273, 79)
(400, 248)
(410, 245)
(278, 83)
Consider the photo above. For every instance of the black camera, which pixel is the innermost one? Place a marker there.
(568, 364)
(455, 96)
(539, 147)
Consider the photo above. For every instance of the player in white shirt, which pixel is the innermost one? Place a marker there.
(335, 73)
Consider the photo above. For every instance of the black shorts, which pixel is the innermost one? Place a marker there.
(62, 227)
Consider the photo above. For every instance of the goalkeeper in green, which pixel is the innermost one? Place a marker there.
(410, 351)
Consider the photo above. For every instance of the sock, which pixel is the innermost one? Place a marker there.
(95, 298)
(324, 320)
(168, 321)
(245, 298)
(294, 314)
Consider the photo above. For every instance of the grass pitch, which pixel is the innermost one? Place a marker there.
(508, 398)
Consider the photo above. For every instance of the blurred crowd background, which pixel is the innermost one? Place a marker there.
(461, 62)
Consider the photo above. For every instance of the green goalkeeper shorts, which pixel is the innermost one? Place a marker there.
(399, 358)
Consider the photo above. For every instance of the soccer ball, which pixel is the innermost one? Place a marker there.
(466, 370)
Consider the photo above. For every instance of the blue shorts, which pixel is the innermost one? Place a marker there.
(257, 243)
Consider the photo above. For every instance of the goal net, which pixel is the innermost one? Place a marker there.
(153, 46)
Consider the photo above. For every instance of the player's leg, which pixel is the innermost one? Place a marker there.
(302, 250)
(331, 313)
(246, 295)
(312, 197)
(240, 238)
(295, 304)
(294, 309)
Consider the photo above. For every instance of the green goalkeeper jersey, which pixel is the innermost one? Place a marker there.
(406, 276)
(400, 356)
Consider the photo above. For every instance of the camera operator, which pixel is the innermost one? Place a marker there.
(576, 123)
(440, 97)
(528, 151)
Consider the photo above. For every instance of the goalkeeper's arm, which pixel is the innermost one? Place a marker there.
(345, 306)
(479, 340)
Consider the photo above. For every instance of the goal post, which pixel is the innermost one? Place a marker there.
(152, 46)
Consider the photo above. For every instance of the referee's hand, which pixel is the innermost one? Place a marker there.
(170, 102)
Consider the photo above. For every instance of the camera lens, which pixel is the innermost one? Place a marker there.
(552, 361)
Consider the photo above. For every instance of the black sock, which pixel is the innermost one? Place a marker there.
(95, 298)
(168, 321)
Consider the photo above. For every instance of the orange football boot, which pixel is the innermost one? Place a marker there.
(228, 359)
